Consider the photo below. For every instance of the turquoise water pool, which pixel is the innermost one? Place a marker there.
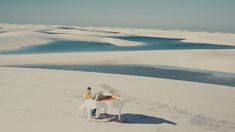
(151, 43)
(167, 72)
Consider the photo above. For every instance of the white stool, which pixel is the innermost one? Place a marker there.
(86, 107)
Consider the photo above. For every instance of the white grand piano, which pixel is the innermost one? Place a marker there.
(112, 98)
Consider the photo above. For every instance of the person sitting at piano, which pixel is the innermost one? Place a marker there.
(88, 95)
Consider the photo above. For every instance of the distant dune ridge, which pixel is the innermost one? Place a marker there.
(19, 35)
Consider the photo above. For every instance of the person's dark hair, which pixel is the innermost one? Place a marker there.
(89, 88)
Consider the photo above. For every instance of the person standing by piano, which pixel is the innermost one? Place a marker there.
(88, 95)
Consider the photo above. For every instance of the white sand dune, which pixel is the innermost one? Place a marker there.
(188, 36)
(217, 60)
(36, 100)
(17, 35)
(46, 100)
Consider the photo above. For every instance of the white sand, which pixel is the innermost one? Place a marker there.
(33, 100)
(189, 36)
(217, 60)
(46, 100)
(17, 35)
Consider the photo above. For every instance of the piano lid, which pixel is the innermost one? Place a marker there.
(110, 89)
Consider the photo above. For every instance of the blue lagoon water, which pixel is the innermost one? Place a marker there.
(167, 72)
(151, 43)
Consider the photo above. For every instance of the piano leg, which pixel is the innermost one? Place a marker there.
(119, 114)
(105, 111)
(98, 112)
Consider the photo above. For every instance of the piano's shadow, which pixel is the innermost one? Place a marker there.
(129, 118)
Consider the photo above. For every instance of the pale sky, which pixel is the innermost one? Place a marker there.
(196, 15)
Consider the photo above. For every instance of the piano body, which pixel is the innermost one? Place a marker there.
(105, 101)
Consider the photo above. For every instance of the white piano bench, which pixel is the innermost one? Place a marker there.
(83, 112)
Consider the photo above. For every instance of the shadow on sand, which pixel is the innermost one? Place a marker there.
(135, 119)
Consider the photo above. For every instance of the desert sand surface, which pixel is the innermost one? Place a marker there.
(43, 100)
(215, 60)
(20, 35)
